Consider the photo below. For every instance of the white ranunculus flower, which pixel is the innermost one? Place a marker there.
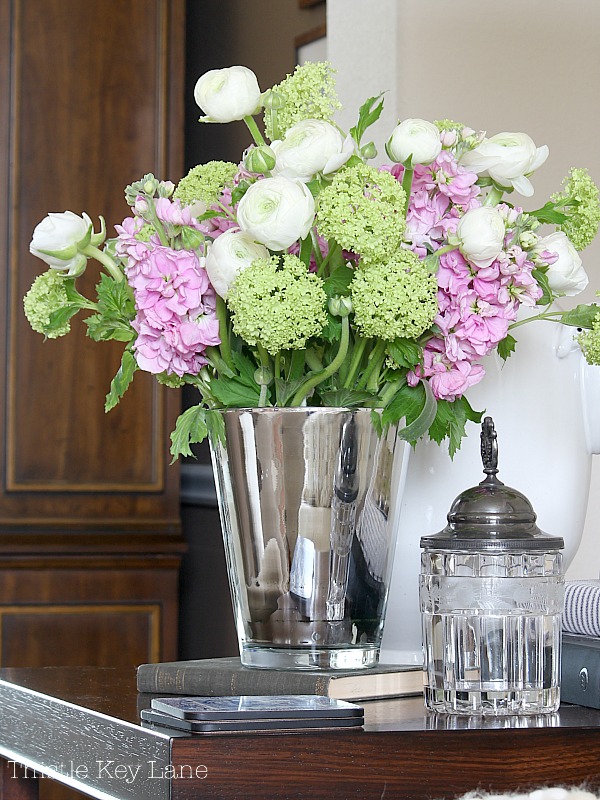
(481, 234)
(56, 240)
(508, 158)
(227, 94)
(309, 147)
(567, 275)
(230, 254)
(277, 212)
(416, 139)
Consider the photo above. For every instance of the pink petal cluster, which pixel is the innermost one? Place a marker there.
(175, 302)
(476, 305)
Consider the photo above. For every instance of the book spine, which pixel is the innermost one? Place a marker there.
(193, 680)
(580, 675)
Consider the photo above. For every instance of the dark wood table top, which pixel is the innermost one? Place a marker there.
(82, 727)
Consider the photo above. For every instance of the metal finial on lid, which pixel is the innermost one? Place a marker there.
(491, 516)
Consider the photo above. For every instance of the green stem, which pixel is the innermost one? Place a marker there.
(375, 360)
(221, 313)
(357, 354)
(544, 315)
(111, 265)
(330, 369)
(390, 390)
(253, 128)
(316, 250)
(313, 361)
(266, 363)
(494, 197)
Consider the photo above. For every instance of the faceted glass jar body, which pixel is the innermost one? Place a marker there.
(492, 631)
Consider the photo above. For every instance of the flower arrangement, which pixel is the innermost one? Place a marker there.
(306, 275)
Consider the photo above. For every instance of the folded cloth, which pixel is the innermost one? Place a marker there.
(582, 608)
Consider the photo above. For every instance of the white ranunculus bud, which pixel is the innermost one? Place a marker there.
(227, 94)
(230, 254)
(480, 234)
(309, 147)
(566, 276)
(277, 212)
(58, 238)
(414, 141)
(508, 158)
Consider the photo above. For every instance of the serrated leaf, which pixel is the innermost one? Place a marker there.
(338, 283)
(408, 402)
(581, 316)
(120, 383)
(367, 115)
(234, 393)
(60, 317)
(348, 398)
(245, 366)
(332, 330)
(285, 390)
(191, 428)
(450, 422)
(405, 352)
(549, 214)
(507, 346)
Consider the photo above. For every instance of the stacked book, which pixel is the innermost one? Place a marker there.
(221, 677)
(580, 679)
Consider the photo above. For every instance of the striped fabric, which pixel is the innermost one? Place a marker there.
(582, 608)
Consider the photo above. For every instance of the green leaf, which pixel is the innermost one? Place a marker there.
(61, 316)
(408, 402)
(581, 316)
(306, 251)
(367, 115)
(542, 280)
(235, 393)
(115, 311)
(245, 366)
(405, 352)
(120, 383)
(450, 422)
(420, 425)
(190, 428)
(348, 398)
(338, 283)
(285, 390)
(506, 346)
(549, 214)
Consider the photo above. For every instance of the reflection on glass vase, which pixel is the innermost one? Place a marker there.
(307, 513)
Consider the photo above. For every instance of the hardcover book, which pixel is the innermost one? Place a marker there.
(226, 676)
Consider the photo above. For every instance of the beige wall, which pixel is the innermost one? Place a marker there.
(529, 66)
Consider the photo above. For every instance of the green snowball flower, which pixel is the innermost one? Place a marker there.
(279, 305)
(363, 210)
(47, 295)
(584, 215)
(394, 299)
(589, 341)
(308, 93)
(205, 183)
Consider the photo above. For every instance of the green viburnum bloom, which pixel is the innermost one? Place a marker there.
(47, 294)
(279, 305)
(363, 210)
(582, 225)
(394, 299)
(206, 182)
(449, 125)
(308, 93)
(589, 341)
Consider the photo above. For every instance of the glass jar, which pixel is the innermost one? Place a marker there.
(491, 597)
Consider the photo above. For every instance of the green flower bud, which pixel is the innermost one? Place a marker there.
(260, 159)
(273, 100)
(263, 376)
(368, 150)
(340, 306)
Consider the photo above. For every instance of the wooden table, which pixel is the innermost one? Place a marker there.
(81, 727)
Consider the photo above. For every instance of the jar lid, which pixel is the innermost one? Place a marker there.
(491, 517)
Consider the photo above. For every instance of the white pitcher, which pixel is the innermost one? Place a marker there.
(545, 403)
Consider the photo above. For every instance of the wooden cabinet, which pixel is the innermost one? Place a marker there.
(91, 99)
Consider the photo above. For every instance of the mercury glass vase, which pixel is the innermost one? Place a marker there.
(307, 501)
